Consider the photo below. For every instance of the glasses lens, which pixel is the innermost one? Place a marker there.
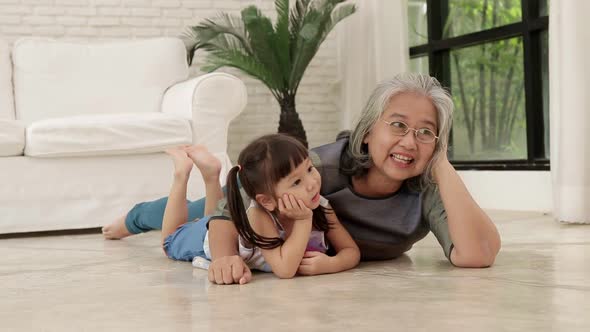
(425, 135)
(399, 128)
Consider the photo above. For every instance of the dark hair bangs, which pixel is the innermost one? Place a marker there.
(286, 155)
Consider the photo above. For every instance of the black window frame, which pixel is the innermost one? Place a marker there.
(530, 29)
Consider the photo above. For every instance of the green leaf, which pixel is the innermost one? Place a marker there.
(340, 13)
(223, 26)
(321, 17)
(262, 38)
(282, 39)
(296, 19)
(277, 55)
(218, 58)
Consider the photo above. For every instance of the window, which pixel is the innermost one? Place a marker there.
(492, 54)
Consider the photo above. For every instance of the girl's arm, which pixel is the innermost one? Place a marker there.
(475, 238)
(285, 259)
(227, 267)
(347, 252)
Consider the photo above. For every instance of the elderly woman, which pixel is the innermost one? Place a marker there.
(389, 182)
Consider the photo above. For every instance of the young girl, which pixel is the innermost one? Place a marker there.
(282, 230)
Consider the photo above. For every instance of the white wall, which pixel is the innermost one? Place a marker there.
(316, 101)
(116, 19)
(510, 190)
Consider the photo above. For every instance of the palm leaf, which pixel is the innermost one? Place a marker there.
(224, 42)
(320, 19)
(223, 26)
(282, 38)
(306, 45)
(296, 18)
(340, 13)
(278, 55)
(218, 58)
(261, 37)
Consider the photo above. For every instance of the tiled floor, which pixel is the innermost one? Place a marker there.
(540, 282)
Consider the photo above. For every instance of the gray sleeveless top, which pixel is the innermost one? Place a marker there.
(384, 227)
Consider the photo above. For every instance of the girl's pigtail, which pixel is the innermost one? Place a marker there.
(320, 221)
(239, 215)
(235, 202)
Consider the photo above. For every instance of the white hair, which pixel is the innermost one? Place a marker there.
(379, 101)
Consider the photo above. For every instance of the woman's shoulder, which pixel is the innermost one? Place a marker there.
(326, 159)
(328, 155)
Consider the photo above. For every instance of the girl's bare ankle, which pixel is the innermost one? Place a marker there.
(181, 176)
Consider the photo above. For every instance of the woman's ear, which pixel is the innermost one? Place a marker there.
(366, 138)
(266, 202)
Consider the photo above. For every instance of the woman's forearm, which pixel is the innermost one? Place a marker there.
(475, 237)
(346, 259)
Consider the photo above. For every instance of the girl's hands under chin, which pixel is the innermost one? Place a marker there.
(313, 263)
(293, 208)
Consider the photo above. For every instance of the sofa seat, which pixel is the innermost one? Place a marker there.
(40, 194)
(12, 138)
(107, 134)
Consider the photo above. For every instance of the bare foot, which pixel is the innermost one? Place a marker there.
(182, 163)
(205, 161)
(117, 230)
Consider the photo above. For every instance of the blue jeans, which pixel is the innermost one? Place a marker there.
(187, 241)
(147, 216)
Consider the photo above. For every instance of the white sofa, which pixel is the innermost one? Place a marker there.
(83, 127)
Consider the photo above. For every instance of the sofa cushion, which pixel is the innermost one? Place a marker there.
(110, 134)
(6, 97)
(12, 138)
(57, 78)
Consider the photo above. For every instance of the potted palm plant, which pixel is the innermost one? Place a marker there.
(277, 55)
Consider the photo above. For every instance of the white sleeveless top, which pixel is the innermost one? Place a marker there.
(253, 257)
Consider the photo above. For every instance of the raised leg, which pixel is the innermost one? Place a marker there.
(176, 211)
(210, 168)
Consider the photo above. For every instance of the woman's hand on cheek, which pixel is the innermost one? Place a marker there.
(313, 263)
(293, 208)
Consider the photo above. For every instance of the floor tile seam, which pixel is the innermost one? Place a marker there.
(75, 249)
(513, 244)
(67, 267)
(540, 218)
(499, 279)
(537, 284)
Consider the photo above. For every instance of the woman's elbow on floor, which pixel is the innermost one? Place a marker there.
(486, 258)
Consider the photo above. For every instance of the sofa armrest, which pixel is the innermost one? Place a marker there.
(210, 102)
(12, 138)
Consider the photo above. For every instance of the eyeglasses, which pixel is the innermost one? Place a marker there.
(423, 135)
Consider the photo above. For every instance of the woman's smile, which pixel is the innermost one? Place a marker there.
(402, 160)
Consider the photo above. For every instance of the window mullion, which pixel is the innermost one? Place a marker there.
(532, 80)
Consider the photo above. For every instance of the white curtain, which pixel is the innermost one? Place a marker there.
(372, 47)
(569, 74)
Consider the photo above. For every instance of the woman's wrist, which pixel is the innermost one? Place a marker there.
(441, 167)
